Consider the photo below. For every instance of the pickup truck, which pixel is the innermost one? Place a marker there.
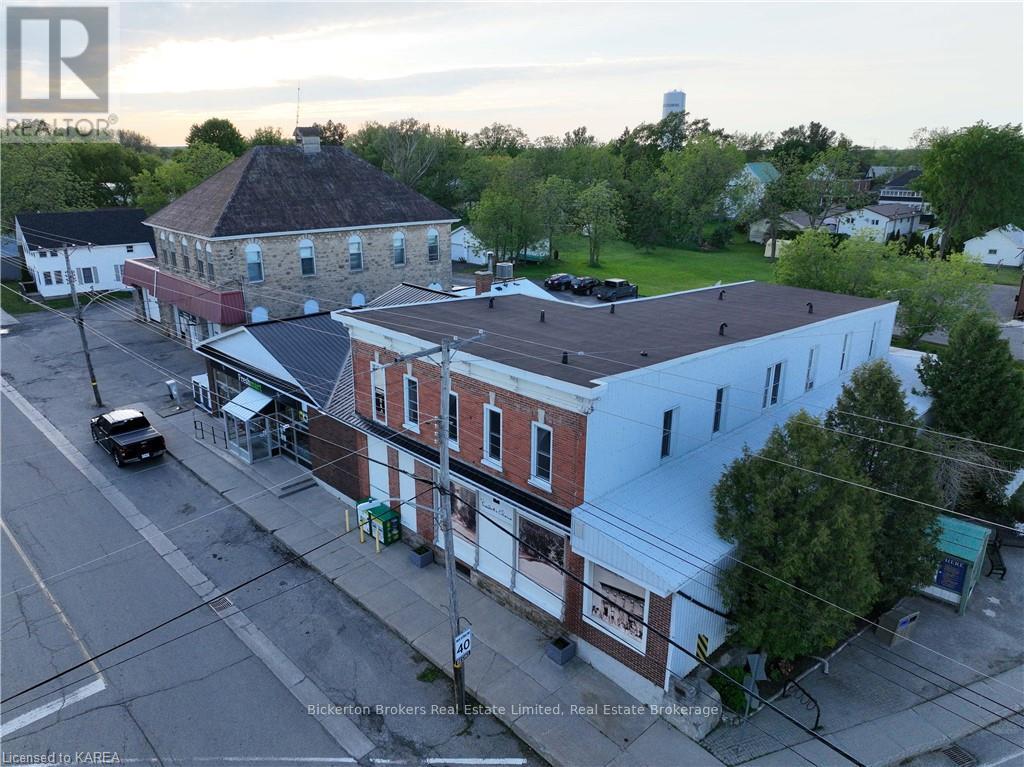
(127, 436)
(613, 290)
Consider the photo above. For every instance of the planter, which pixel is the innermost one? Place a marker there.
(561, 650)
(421, 556)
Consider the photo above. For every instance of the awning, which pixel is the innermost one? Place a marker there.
(225, 307)
(246, 404)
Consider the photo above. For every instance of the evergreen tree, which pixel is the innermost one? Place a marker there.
(808, 530)
(888, 455)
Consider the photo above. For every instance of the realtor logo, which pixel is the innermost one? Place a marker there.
(57, 59)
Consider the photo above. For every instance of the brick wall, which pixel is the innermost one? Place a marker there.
(329, 440)
(568, 429)
(284, 289)
(650, 665)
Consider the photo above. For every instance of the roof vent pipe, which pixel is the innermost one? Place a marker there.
(565, 358)
(722, 327)
(490, 303)
(810, 308)
(721, 295)
(542, 315)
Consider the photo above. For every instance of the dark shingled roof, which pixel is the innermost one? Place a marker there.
(283, 189)
(665, 327)
(313, 348)
(103, 226)
(902, 180)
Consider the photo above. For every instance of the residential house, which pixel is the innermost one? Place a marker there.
(1002, 246)
(898, 190)
(466, 248)
(99, 243)
(880, 222)
(287, 230)
(754, 178)
(586, 440)
(792, 222)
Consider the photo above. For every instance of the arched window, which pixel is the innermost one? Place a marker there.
(254, 263)
(307, 261)
(433, 246)
(398, 248)
(358, 299)
(310, 307)
(260, 314)
(185, 262)
(355, 253)
(200, 264)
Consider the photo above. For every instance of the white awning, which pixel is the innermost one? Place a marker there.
(246, 404)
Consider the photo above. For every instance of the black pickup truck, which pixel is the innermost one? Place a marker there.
(127, 435)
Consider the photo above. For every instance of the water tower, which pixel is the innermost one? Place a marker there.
(673, 101)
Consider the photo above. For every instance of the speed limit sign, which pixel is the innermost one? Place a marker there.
(463, 644)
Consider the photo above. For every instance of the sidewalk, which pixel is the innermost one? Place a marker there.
(507, 670)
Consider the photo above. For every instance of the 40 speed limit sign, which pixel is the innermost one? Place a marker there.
(463, 644)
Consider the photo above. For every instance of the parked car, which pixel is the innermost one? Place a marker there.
(560, 281)
(585, 285)
(614, 290)
(127, 435)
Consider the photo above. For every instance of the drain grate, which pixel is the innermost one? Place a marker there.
(220, 604)
(960, 757)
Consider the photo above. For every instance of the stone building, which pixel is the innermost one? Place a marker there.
(284, 231)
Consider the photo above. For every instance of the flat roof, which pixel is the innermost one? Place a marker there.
(640, 333)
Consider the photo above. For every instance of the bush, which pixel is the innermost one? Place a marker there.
(733, 696)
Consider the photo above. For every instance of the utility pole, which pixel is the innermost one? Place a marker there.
(447, 347)
(81, 326)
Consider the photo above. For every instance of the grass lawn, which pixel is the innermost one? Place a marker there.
(14, 303)
(1005, 275)
(662, 270)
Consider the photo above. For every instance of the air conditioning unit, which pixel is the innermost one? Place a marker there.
(503, 270)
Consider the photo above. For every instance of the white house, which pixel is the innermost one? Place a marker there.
(880, 222)
(1003, 246)
(792, 222)
(466, 248)
(755, 178)
(99, 241)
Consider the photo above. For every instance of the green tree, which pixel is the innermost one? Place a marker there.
(154, 189)
(554, 199)
(332, 133)
(578, 137)
(811, 531)
(875, 426)
(135, 141)
(827, 183)
(108, 169)
(267, 136)
(977, 388)
(507, 219)
(407, 148)
(972, 178)
(697, 186)
(500, 138)
(803, 143)
(39, 177)
(599, 214)
(218, 132)
(642, 210)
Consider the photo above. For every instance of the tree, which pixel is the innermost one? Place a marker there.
(874, 425)
(972, 178)
(828, 183)
(779, 197)
(135, 141)
(108, 169)
(805, 142)
(332, 133)
(697, 186)
(554, 199)
(977, 388)
(578, 137)
(267, 136)
(500, 138)
(599, 214)
(154, 189)
(507, 219)
(218, 132)
(808, 530)
(39, 177)
(407, 148)
(642, 210)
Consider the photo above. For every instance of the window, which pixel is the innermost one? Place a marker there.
(380, 397)
(874, 338)
(412, 403)
(185, 263)
(200, 267)
(541, 556)
(666, 432)
(312, 306)
(209, 261)
(812, 368)
(307, 262)
(492, 435)
(173, 255)
(719, 418)
(772, 384)
(398, 248)
(844, 357)
(355, 254)
(463, 500)
(453, 420)
(619, 606)
(260, 314)
(992, 251)
(129, 248)
(254, 263)
(53, 254)
(118, 272)
(47, 278)
(540, 466)
(87, 275)
(58, 278)
(358, 299)
(433, 246)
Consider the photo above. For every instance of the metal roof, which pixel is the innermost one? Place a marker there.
(407, 293)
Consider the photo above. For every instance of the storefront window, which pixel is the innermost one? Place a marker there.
(464, 502)
(620, 607)
(541, 556)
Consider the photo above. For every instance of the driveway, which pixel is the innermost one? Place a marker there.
(1001, 300)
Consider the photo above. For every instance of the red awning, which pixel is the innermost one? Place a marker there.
(226, 307)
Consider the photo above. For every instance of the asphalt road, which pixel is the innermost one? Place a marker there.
(204, 695)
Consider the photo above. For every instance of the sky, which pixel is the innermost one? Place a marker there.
(874, 71)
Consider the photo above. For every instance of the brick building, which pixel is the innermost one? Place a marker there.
(283, 231)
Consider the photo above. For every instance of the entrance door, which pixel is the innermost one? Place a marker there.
(151, 306)
(260, 438)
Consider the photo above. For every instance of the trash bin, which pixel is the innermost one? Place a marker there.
(896, 625)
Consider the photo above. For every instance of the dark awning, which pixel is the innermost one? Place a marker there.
(226, 307)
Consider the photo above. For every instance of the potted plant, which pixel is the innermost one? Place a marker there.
(561, 650)
(422, 555)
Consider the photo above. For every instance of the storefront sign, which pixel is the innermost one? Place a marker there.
(244, 380)
(951, 574)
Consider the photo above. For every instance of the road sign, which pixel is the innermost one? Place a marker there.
(463, 644)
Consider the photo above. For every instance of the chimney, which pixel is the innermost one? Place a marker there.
(484, 280)
(308, 138)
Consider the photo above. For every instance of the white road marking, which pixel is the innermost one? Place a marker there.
(29, 717)
(471, 760)
(303, 689)
(989, 613)
(993, 600)
(246, 759)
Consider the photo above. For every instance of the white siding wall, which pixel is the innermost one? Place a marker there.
(690, 619)
(104, 259)
(624, 430)
(864, 221)
(1007, 253)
